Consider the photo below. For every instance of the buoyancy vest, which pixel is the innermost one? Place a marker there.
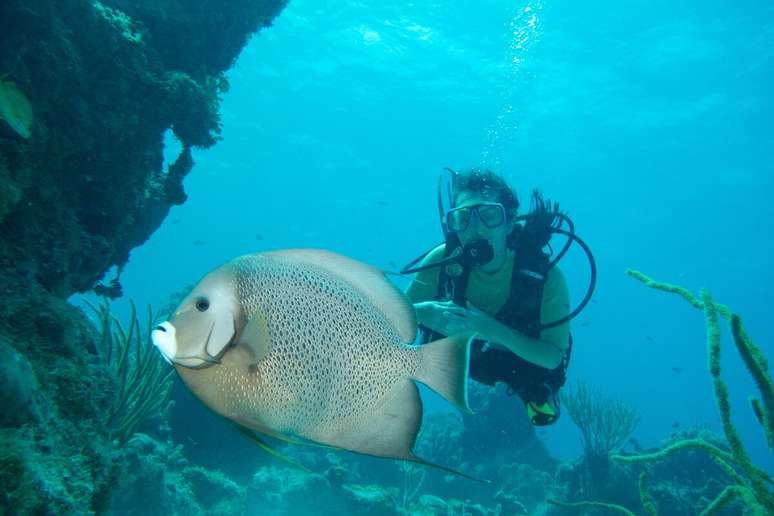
(521, 311)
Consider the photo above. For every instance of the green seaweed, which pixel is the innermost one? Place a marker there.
(648, 503)
(143, 383)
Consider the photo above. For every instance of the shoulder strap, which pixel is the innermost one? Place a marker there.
(530, 271)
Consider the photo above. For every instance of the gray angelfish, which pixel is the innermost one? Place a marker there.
(311, 344)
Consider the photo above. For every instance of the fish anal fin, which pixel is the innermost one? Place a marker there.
(388, 431)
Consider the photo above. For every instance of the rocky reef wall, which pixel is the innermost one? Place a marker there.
(87, 91)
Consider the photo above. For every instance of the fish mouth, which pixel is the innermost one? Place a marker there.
(164, 337)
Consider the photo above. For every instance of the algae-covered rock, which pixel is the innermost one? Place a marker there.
(18, 388)
(86, 182)
(82, 183)
(155, 478)
(371, 499)
(214, 491)
(10, 191)
(289, 490)
(292, 491)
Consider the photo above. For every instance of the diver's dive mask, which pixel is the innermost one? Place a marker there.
(491, 214)
(454, 220)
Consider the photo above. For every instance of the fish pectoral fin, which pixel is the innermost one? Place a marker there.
(267, 448)
(255, 336)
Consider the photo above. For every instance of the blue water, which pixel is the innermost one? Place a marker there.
(651, 122)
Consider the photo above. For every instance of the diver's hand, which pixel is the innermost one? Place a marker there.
(484, 325)
(447, 318)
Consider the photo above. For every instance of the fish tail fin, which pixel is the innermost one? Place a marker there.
(443, 366)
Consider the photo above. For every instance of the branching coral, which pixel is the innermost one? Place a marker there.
(142, 379)
(592, 505)
(750, 483)
(604, 420)
(413, 478)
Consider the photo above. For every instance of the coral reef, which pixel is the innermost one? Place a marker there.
(604, 420)
(751, 485)
(19, 390)
(290, 491)
(511, 436)
(729, 477)
(155, 478)
(105, 81)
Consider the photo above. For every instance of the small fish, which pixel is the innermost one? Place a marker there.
(585, 324)
(16, 109)
(382, 203)
(199, 243)
(259, 237)
(648, 338)
(677, 369)
(675, 425)
(175, 221)
(308, 344)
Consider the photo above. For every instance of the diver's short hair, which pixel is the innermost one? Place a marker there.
(488, 184)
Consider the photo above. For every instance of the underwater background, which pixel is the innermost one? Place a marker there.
(649, 122)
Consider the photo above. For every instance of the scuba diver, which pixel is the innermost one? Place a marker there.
(496, 277)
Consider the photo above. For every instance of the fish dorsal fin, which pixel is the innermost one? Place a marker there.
(368, 280)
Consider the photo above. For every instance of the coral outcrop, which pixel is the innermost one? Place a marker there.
(88, 89)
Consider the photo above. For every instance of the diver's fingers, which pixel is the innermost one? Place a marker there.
(454, 313)
(473, 308)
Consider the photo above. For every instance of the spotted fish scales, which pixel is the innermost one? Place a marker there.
(321, 348)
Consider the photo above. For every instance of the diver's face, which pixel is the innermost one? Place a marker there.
(476, 230)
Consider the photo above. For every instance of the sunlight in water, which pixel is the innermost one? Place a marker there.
(523, 31)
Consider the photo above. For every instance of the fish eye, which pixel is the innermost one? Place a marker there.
(202, 304)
